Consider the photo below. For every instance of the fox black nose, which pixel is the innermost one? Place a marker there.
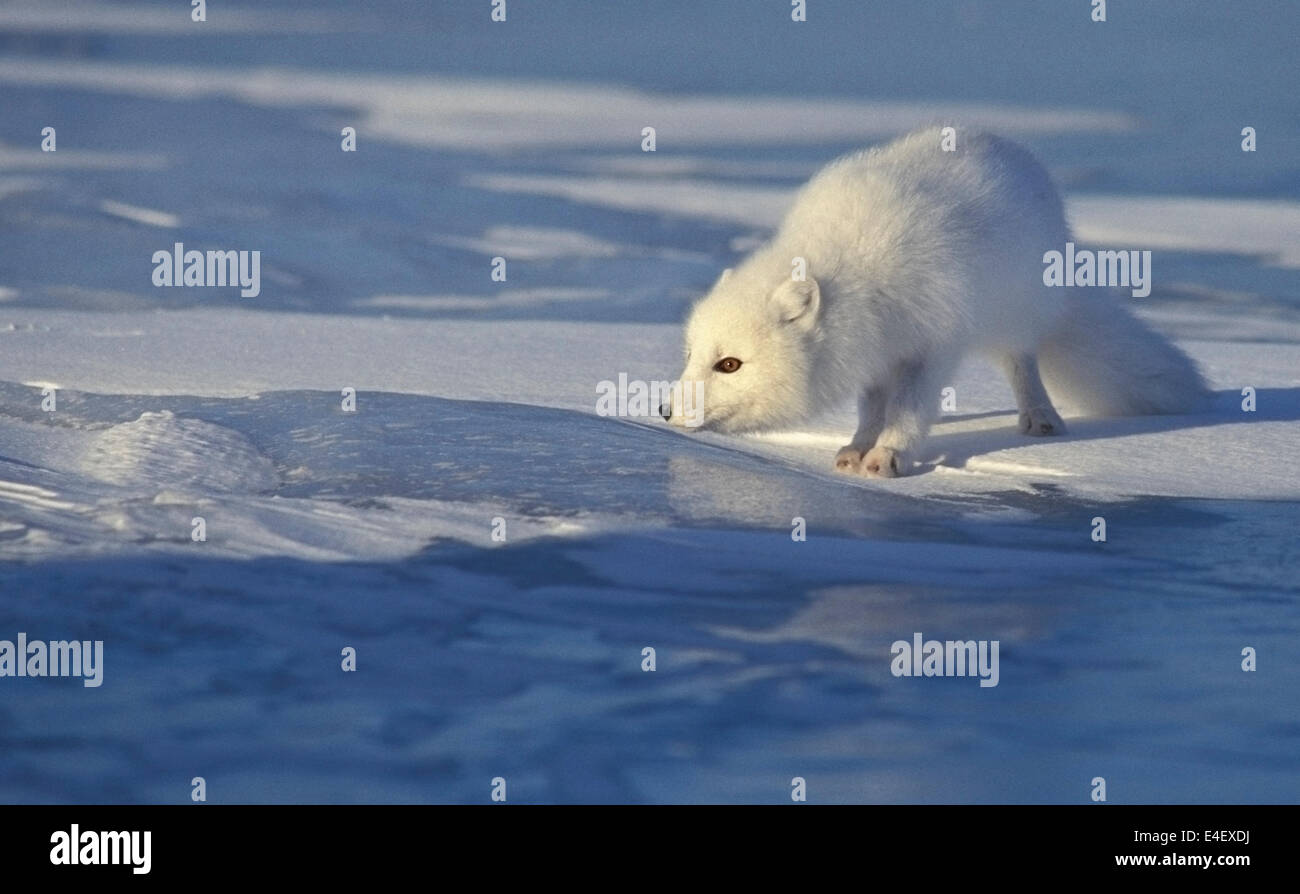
(666, 411)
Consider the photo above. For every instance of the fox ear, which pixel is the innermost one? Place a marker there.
(723, 277)
(797, 301)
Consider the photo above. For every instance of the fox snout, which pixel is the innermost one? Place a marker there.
(666, 411)
(683, 407)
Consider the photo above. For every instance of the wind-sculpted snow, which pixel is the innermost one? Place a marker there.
(187, 453)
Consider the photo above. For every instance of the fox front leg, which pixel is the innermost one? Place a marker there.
(871, 420)
(909, 413)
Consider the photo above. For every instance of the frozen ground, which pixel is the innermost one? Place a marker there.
(475, 401)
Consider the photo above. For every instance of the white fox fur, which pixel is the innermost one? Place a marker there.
(915, 257)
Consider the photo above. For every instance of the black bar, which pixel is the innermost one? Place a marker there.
(333, 844)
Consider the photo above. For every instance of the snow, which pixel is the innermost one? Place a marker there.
(1248, 227)
(81, 17)
(476, 412)
(976, 451)
(492, 115)
(1268, 229)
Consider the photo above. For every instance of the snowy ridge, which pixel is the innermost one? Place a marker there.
(189, 453)
(181, 462)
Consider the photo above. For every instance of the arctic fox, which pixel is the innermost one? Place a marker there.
(911, 258)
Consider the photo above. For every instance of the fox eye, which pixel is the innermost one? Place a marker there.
(727, 365)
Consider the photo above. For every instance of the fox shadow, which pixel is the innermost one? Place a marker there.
(1228, 408)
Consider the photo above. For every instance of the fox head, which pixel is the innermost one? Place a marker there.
(749, 355)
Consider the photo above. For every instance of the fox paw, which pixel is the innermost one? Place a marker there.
(883, 462)
(878, 462)
(849, 459)
(1041, 421)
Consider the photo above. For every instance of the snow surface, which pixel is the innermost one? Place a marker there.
(476, 402)
(245, 353)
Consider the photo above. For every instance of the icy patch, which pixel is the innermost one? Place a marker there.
(481, 114)
(548, 244)
(12, 186)
(188, 452)
(146, 216)
(18, 493)
(43, 17)
(702, 199)
(1269, 229)
(536, 243)
(516, 298)
(15, 158)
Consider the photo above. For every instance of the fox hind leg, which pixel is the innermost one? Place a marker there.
(1037, 415)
